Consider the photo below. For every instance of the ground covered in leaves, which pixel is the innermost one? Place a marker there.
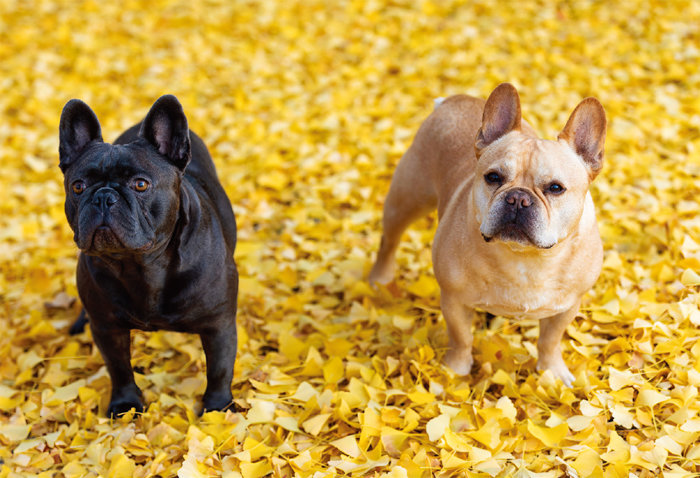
(307, 106)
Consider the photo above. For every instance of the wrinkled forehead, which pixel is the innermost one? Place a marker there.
(555, 158)
(104, 160)
(540, 157)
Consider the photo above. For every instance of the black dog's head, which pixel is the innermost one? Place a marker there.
(123, 198)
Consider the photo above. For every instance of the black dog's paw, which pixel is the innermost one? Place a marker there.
(78, 326)
(121, 407)
(221, 402)
(124, 402)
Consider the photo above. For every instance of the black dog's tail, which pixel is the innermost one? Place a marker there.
(78, 326)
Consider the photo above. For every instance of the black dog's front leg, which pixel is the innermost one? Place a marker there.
(115, 347)
(220, 350)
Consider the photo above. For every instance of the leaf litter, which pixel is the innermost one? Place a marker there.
(307, 108)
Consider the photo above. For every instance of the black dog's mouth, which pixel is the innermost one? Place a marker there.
(104, 240)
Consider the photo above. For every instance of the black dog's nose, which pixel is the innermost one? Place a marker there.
(105, 198)
(518, 198)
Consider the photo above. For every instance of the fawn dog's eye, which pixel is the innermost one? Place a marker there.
(556, 188)
(493, 178)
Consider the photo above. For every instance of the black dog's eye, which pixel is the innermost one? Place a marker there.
(493, 178)
(79, 187)
(555, 188)
(141, 185)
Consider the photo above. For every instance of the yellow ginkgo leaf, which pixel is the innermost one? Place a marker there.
(550, 437)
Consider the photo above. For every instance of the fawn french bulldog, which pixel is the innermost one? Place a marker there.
(517, 232)
(156, 234)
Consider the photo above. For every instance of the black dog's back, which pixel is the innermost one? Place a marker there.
(202, 172)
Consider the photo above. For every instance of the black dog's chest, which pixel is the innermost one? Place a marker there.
(152, 312)
(158, 300)
(149, 318)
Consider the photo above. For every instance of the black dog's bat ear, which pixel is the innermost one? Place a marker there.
(78, 127)
(165, 127)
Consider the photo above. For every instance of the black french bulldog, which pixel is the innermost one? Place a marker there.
(157, 234)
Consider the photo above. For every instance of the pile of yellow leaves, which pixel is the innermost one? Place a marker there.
(307, 106)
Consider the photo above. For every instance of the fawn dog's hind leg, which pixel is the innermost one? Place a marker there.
(411, 196)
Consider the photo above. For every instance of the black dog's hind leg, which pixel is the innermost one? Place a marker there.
(78, 326)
